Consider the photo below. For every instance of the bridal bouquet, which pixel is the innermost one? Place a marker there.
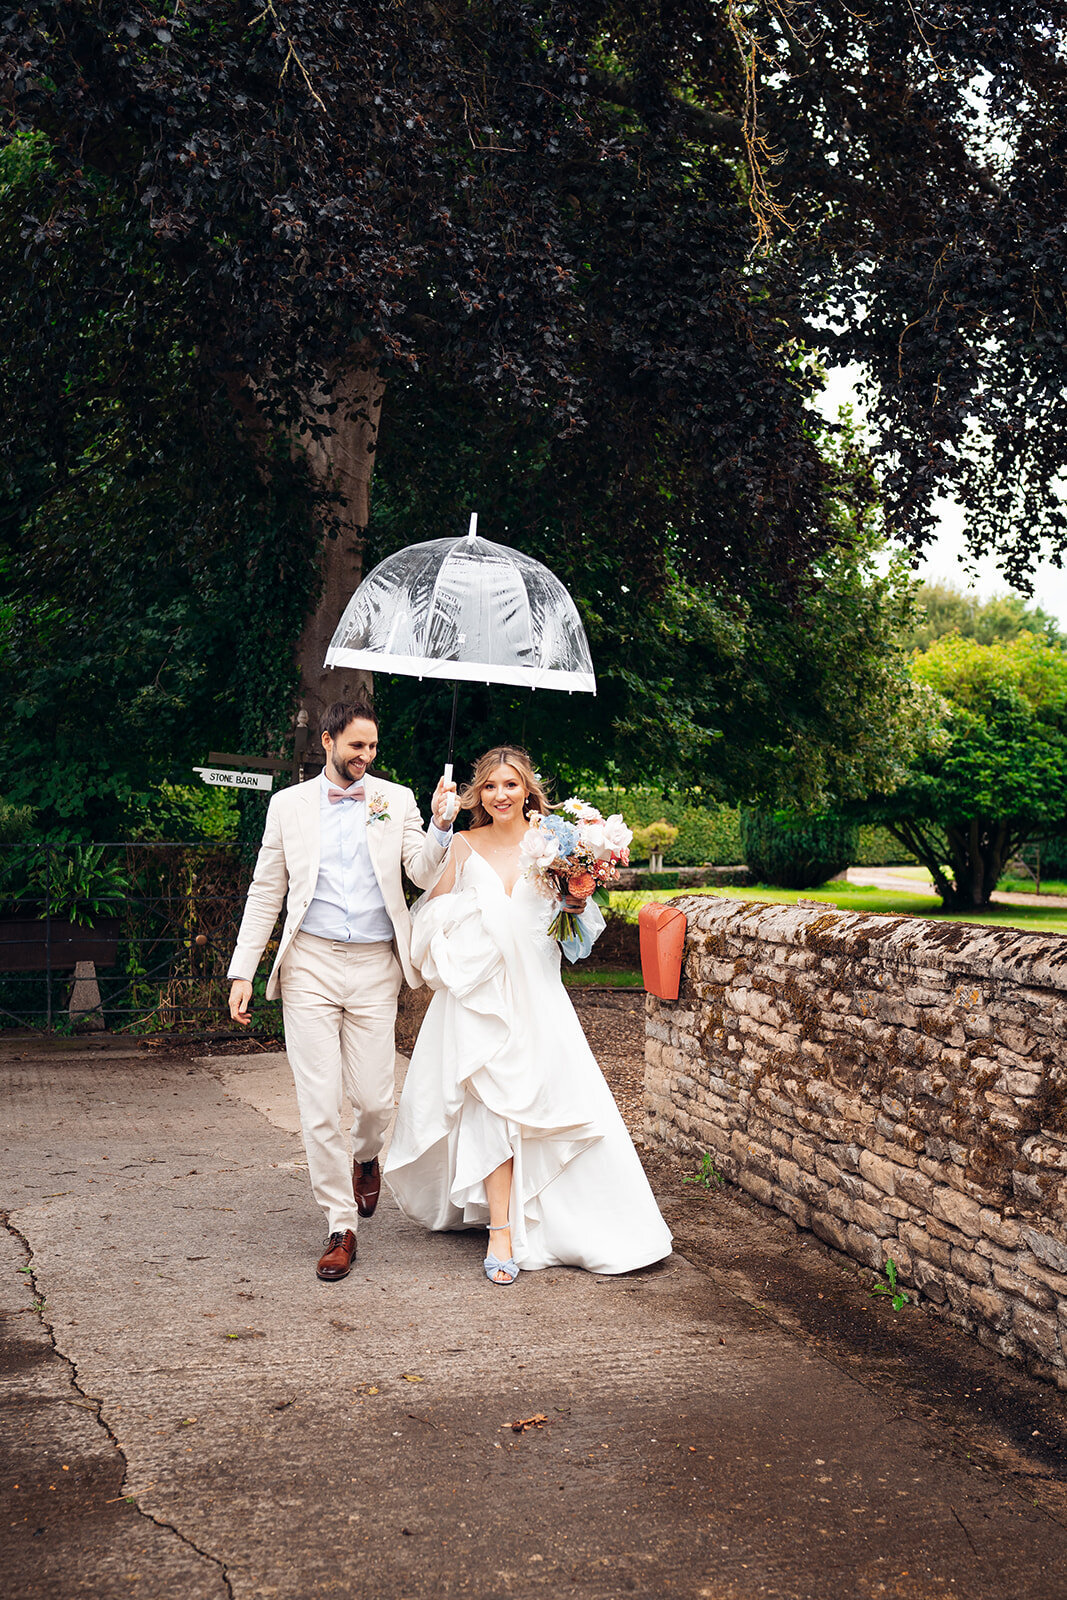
(575, 851)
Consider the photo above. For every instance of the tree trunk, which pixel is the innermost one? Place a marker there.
(342, 465)
(980, 853)
(927, 851)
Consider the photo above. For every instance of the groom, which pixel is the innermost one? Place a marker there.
(333, 849)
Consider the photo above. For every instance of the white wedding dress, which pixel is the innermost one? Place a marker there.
(501, 1068)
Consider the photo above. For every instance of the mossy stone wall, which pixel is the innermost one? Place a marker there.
(897, 1086)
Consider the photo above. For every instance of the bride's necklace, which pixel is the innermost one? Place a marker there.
(503, 847)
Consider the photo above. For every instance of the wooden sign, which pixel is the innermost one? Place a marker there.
(224, 778)
(304, 763)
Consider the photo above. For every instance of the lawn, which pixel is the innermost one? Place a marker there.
(578, 977)
(854, 897)
(1026, 886)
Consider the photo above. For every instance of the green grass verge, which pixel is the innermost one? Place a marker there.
(1054, 886)
(578, 977)
(853, 897)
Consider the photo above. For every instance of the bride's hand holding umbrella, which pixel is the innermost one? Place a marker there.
(442, 811)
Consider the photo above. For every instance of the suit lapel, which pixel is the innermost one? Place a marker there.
(375, 829)
(308, 813)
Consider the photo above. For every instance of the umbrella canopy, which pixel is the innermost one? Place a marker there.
(465, 609)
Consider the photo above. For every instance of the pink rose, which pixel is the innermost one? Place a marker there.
(617, 834)
(538, 847)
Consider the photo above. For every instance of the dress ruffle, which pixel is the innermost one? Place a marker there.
(502, 1068)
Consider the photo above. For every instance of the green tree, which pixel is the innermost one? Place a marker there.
(327, 200)
(798, 698)
(551, 204)
(154, 579)
(945, 608)
(991, 772)
(158, 580)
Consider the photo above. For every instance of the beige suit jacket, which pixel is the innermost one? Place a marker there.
(288, 869)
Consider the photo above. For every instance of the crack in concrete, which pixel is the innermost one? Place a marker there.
(89, 1402)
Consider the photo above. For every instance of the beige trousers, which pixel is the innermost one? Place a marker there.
(339, 1007)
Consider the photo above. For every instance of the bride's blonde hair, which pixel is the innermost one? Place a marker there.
(503, 755)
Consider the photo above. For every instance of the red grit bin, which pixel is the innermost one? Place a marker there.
(662, 929)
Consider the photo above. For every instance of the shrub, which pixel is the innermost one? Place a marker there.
(1053, 857)
(660, 880)
(711, 837)
(79, 883)
(878, 848)
(794, 851)
(16, 822)
(654, 842)
(707, 835)
(186, 812)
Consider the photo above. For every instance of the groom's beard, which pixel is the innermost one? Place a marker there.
(348, 771)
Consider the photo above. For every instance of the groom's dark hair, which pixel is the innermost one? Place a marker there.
(335, 718)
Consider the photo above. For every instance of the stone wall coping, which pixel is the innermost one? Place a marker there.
(1036, 959)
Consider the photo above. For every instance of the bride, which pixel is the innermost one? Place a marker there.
(505, 1120)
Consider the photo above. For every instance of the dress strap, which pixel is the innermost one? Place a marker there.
(461, 856)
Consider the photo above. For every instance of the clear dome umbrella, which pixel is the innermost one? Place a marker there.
(467, 610)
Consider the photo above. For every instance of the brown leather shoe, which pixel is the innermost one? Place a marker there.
(339, 1256)
(366, 1185)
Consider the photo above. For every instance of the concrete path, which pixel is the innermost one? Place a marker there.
(898, 882)
(189, 1413)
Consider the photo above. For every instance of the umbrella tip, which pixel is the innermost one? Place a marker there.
(473, 529)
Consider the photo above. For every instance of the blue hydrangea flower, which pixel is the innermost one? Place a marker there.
(565, 834)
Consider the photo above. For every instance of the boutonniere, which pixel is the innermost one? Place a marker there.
(378, 809)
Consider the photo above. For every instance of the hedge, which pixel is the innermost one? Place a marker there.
(711, 836)
(706, 835)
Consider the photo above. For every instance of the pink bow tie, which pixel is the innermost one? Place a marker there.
(355, 791)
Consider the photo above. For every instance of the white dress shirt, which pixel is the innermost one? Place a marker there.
(347, 905)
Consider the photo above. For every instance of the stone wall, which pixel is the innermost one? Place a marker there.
(895, 1085)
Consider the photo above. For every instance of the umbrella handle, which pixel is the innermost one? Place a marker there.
(451, 803)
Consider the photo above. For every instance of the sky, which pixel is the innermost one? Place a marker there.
(943, 561)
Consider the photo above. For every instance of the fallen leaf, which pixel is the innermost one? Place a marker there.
(536, 1421)
(411, 1377)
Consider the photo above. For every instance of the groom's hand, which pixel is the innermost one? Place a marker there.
(241, 1001)
(437, 805)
